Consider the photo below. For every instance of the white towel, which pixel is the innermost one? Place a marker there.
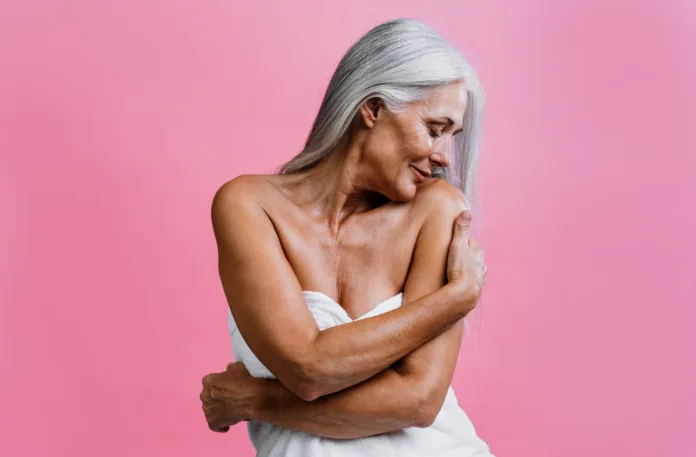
(452, 433)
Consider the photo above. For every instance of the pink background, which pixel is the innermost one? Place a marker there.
(119, 120)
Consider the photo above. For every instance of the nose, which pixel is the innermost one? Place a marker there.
(441, 155)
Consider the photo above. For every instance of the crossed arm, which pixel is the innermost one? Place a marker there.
(364, 378)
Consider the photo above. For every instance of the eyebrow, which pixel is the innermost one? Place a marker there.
(450, 123)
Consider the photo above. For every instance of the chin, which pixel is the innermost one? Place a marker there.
(405, 192)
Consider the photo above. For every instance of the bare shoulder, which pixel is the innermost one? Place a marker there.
(244, 191)
(436, 198)
(239, 201)
(243, 187)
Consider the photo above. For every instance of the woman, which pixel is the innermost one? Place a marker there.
(364, 215)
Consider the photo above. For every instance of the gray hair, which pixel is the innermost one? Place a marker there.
(398, 62)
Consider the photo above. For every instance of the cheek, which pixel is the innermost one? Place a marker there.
(396, 149)
(415, 147)
(420, 144)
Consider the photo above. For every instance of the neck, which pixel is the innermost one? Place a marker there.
(338, 187)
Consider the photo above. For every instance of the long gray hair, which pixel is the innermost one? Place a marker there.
(398, 62)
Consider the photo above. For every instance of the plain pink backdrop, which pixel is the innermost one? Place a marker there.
(119, 120)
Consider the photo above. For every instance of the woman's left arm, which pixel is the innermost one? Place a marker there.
(408, 394)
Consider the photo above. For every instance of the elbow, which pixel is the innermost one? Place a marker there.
(425, 416)
(307, 390)
(306, 380)
(426, 406)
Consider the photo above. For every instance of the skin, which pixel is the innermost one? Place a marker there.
(359, 227)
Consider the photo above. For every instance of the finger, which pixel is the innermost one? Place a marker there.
(210, 418)
(219, 429)
(462, 224)
(474, 251)
(477, 255)
(216, 393)
(215, 424)
(207, 400)
(230, 366)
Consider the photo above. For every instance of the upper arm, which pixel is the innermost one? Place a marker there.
(261, 288)
(432, 365)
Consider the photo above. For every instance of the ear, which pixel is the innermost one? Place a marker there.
(370, 111)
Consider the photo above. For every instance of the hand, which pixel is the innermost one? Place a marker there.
(465, 264)
(228, 397)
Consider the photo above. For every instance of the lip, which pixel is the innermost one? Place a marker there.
(421, 174)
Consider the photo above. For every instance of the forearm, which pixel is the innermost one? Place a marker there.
(384, 403)
(346, 355)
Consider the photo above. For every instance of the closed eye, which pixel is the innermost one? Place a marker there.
(448, 123)
(437, 131)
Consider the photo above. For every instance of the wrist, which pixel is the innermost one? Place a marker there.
(254, 405)
(459, 294)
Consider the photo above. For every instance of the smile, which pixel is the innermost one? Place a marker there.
(420, 174)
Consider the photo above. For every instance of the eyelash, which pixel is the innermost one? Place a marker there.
(434, 134)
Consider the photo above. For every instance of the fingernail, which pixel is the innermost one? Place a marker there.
(465, 215)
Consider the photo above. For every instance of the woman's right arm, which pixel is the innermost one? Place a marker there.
(268, 306)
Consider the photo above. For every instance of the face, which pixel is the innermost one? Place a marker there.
(401, 149)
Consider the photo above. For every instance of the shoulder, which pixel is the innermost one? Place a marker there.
(435, 209)
(436, 198)
(242, 187)
(240, 201)
(244, 191)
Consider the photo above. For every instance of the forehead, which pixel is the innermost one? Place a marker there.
(449, 100)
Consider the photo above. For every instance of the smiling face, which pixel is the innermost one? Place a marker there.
(402, 148)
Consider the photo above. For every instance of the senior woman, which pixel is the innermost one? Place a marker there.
(349, 273)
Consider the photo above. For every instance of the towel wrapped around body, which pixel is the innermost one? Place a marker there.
(451, 435)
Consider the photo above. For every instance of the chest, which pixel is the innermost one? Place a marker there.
(364, 263)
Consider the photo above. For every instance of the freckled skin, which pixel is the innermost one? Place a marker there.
(359, 227)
